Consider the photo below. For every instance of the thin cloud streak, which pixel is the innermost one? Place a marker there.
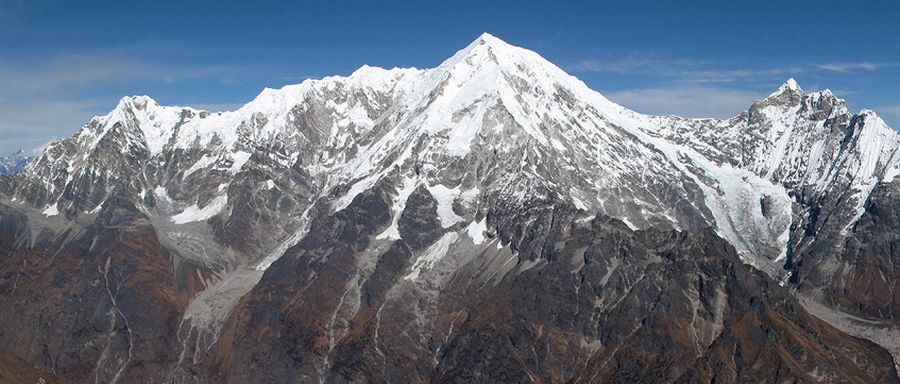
(87, 71)
(31, 122)
(700, 71)
(54, 96)
(684, 70)
(852, 67)
(634, 63)
(697, 102)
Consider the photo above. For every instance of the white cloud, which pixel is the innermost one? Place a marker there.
(851, 67)
(635, 63)
(77, 70)
(30, 123)
(683, 70)
(688, 101)
(734, 75)
(702, 71)
(53, 97)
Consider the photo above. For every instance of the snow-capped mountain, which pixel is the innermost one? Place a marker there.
(406, 184)
(15, 162)
(492, 119)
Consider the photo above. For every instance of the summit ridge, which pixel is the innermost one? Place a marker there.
(292, 234)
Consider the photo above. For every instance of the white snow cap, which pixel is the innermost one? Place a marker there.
(789, 85)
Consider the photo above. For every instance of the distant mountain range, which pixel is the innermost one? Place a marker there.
(15, 162)
(489, 220)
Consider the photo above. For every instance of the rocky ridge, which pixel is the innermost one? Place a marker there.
(407, 185)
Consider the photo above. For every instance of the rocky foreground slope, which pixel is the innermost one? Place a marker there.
(491, 219)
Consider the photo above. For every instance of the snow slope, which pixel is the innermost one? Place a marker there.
(492, 121)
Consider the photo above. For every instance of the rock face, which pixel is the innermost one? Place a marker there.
(603, 303)
(491, 219)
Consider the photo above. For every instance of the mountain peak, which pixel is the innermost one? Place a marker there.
(791, 83)
(489, 48)
(789, 86)
(138, 101)
(487, 38)
(489, 55)
(486, 46)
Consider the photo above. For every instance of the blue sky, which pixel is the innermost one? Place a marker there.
(62, 62)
